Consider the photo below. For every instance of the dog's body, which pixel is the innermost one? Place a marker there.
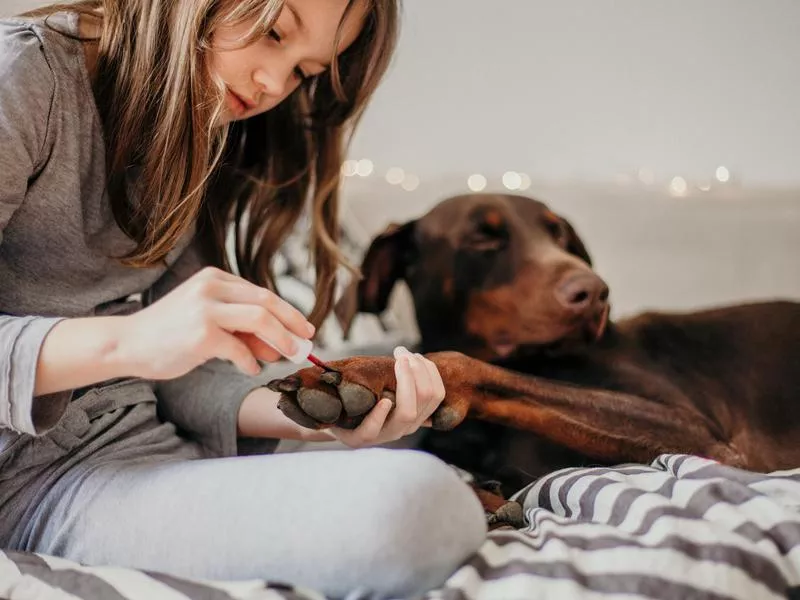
(547, 379)
(736, 369)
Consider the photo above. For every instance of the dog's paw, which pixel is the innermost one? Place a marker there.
(500, 513)
(508, 515)
(316, 398)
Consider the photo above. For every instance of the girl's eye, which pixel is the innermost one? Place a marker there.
(298, 72)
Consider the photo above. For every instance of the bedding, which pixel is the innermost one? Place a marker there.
(681, 527)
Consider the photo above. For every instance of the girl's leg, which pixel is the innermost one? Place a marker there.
(393, 522)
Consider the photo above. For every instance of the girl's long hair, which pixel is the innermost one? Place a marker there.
(159, 105)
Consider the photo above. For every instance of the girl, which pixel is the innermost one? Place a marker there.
(134, 134)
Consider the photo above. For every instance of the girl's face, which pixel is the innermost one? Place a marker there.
(261, 75)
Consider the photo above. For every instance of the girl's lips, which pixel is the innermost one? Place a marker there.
(237, 104)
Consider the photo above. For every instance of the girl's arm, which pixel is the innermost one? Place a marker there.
(26, 95)
(259, 416)
(79, 352)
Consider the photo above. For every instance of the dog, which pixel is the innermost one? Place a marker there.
(538, 377)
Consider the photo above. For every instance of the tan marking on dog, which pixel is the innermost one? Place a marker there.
(493, 219)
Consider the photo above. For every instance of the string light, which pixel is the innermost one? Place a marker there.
(476, 182)
(646, 176)
(512, 180)
(515, 180)
(349, 168)
(364, 167)
(410, 183)
(395, 175)
(678, 186)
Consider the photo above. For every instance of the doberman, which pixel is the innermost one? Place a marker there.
(516, 320)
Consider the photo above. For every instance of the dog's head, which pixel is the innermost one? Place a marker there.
(490, 275)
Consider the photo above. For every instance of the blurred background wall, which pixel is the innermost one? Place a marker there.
(589, 89)
(667, 132)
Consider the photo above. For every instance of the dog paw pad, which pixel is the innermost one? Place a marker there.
(356, 399)
(319, 405)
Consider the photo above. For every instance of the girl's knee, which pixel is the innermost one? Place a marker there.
(421, 474)
(434, 521)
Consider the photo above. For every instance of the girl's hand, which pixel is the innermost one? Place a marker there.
(213, 314)
(420, 390)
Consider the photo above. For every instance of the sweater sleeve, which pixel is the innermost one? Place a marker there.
(26, 95)
(205, 402)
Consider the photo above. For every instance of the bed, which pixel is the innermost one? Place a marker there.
(681, 527)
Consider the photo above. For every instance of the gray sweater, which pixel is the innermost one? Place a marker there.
(57, 233)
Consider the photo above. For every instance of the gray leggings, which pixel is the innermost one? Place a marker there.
(389, 522)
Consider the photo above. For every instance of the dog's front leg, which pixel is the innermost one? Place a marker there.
(607, 425)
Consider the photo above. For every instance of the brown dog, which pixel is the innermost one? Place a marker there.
(546, 379)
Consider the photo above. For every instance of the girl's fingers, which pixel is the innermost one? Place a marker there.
(438, 384)
(405, 411)
(244, 292)
(249, 318)
(419, 391)
(259, 349)
(229, 347)
(426, 395)
(369, 431)
(428, 384)
(437, 387)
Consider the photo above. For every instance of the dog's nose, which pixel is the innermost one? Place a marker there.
(581, 293)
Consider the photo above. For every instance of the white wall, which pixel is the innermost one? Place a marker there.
(588, 89)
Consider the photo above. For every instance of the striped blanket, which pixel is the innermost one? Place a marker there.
(680, 528)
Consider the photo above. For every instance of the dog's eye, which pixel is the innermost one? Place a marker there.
(556, 229)
(487, 238)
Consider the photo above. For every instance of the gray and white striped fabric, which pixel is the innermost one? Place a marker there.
(28, 576)
(683, 527)
(680, 528)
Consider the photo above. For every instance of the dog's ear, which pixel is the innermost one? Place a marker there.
(574, 244)
(383, 265)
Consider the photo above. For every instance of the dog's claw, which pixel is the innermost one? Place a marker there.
(285, 385)
(331, 377)
(319, 405)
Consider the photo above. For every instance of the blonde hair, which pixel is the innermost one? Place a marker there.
(159, 105)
